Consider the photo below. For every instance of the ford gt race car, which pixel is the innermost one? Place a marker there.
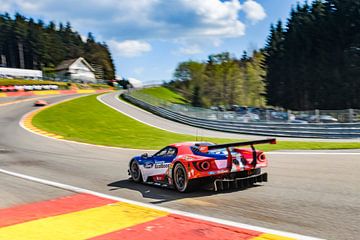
(185, 166)
(40, 103)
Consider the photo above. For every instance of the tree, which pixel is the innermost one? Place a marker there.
(27, 44)
(222, 80)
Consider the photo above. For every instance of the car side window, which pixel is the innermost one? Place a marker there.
(171, 152)
(161, 153)
(166, 152)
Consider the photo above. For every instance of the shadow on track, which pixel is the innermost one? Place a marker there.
(162, 195)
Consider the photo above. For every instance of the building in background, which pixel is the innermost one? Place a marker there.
(78, 70)
(20, 73)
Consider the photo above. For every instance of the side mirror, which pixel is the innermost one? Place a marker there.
(145, 155)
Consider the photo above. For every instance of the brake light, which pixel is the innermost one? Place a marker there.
(204, 165)
(261, 157)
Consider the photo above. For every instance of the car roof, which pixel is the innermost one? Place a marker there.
(188, 144)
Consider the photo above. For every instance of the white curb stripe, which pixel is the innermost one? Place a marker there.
(186, 214)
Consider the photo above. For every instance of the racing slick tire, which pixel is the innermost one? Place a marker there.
(135, 171)
(180, 178)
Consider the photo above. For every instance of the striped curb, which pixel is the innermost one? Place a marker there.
(93, 215)
(27, 123)
(85, 216)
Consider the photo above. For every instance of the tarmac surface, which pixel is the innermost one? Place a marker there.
(312, 193)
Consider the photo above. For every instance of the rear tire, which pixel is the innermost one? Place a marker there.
(180, 178)
(135, 171)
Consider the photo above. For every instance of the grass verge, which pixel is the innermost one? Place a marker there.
(161, 93)
(87, 120)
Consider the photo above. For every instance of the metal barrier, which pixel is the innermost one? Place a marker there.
(309, 130)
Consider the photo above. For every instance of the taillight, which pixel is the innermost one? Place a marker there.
(202, 165)
(261, 157)
(205, 165)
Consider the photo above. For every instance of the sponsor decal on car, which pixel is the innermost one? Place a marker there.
(218, 172)
(161, 165)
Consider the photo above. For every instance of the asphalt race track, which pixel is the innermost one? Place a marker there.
(311, 193)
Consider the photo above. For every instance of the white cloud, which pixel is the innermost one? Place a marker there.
(5, 6)
(190, 50)
(253, 10)
(145, 19)
(129, 48)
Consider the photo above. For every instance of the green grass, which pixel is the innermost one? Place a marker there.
(92, 86)
(161, 93)
(87, 120)
(6, 82)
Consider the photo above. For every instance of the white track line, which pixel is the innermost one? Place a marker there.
(182, 213)
(130, 116)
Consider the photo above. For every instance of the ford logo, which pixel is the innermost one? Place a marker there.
(148, 165)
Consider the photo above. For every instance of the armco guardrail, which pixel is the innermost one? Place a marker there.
(335, 130)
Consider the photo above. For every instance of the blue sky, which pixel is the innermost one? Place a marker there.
(148, 38)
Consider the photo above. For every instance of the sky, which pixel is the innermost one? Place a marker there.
(149, 38)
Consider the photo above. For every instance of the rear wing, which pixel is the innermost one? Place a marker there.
(238, 144)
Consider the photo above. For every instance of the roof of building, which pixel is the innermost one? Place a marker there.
(64, 65)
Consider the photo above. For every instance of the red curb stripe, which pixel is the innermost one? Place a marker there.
(58, 206)
(19, 94)
(67, 91)
(180, 228)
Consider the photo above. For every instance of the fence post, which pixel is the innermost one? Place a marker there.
(288, 116)
(351, 115)
(317, 115)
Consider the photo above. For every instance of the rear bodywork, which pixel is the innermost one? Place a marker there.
(40, 103)
(222, 166)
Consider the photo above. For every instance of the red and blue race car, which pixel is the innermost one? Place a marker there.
(188, 165)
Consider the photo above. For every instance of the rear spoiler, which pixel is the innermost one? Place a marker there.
(238, 144)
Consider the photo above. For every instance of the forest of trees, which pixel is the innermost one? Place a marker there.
(314, 60)
(25, 43)
(222, 80)
(311, 62)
